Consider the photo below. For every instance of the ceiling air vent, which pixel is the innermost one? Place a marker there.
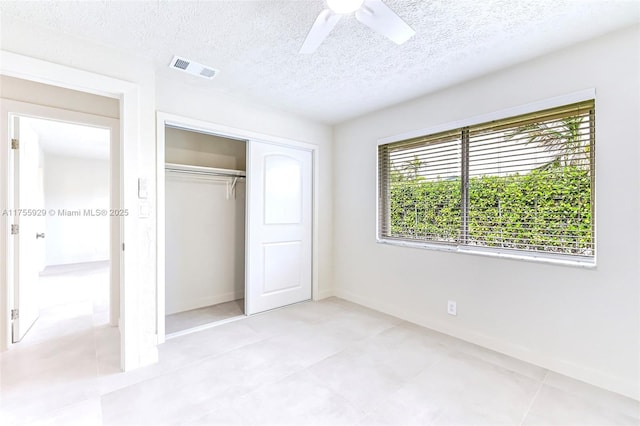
(193, 68)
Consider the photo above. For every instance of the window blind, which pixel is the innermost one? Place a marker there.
(523, 183)
(418, 179)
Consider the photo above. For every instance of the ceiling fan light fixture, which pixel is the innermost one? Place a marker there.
(375, 14)
(344, 7)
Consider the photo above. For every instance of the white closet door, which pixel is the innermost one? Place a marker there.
(279, 224)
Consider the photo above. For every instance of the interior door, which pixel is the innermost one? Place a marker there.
(279, 226)
(27, 206)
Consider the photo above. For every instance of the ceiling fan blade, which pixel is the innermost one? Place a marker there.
(319, 31)
(377, 16)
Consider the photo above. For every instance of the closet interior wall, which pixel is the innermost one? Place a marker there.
(205, 225)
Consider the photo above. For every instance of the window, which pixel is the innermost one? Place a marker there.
(518, 185)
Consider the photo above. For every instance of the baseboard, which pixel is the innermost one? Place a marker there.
(81, 263)
(324, 294)
(593, 377)
(203, 302)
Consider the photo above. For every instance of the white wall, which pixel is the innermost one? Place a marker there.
(580, 322)
(76, 184)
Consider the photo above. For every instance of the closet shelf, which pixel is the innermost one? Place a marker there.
(185, 168)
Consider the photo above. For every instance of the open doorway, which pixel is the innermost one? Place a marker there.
(125, 116)
(62, 254)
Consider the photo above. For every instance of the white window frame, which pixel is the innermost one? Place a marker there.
(575, 97)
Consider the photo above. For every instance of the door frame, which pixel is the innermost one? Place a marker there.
(133, 352)
(9, 109)
(164, 119)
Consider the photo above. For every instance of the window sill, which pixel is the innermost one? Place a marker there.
(490, 252)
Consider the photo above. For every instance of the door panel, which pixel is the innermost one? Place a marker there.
(282, 262)
(27, 248)
(282, 190)
(279, 226)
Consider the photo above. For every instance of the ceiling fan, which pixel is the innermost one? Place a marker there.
(373, 13)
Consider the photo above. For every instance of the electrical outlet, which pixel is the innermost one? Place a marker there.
(451, 307)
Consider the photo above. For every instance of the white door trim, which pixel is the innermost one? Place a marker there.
(133, 351)
(167, 119)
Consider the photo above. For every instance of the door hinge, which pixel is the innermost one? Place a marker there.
(15, 143)
(122, 246)
(15, 229)
(15, 314)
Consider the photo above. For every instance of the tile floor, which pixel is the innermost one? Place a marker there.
(196, 317)
(321, 363)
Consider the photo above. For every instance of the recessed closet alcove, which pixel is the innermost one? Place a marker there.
(205, 228)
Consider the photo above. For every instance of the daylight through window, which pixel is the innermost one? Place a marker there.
(519, 184)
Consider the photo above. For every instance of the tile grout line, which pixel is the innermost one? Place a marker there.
(209, 357)
(307, 369)
(533, 400)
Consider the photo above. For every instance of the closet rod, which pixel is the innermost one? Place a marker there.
(199, 170)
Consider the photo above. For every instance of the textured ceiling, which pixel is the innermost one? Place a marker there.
(255, 43)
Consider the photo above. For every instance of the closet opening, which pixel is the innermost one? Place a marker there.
(205, 206)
